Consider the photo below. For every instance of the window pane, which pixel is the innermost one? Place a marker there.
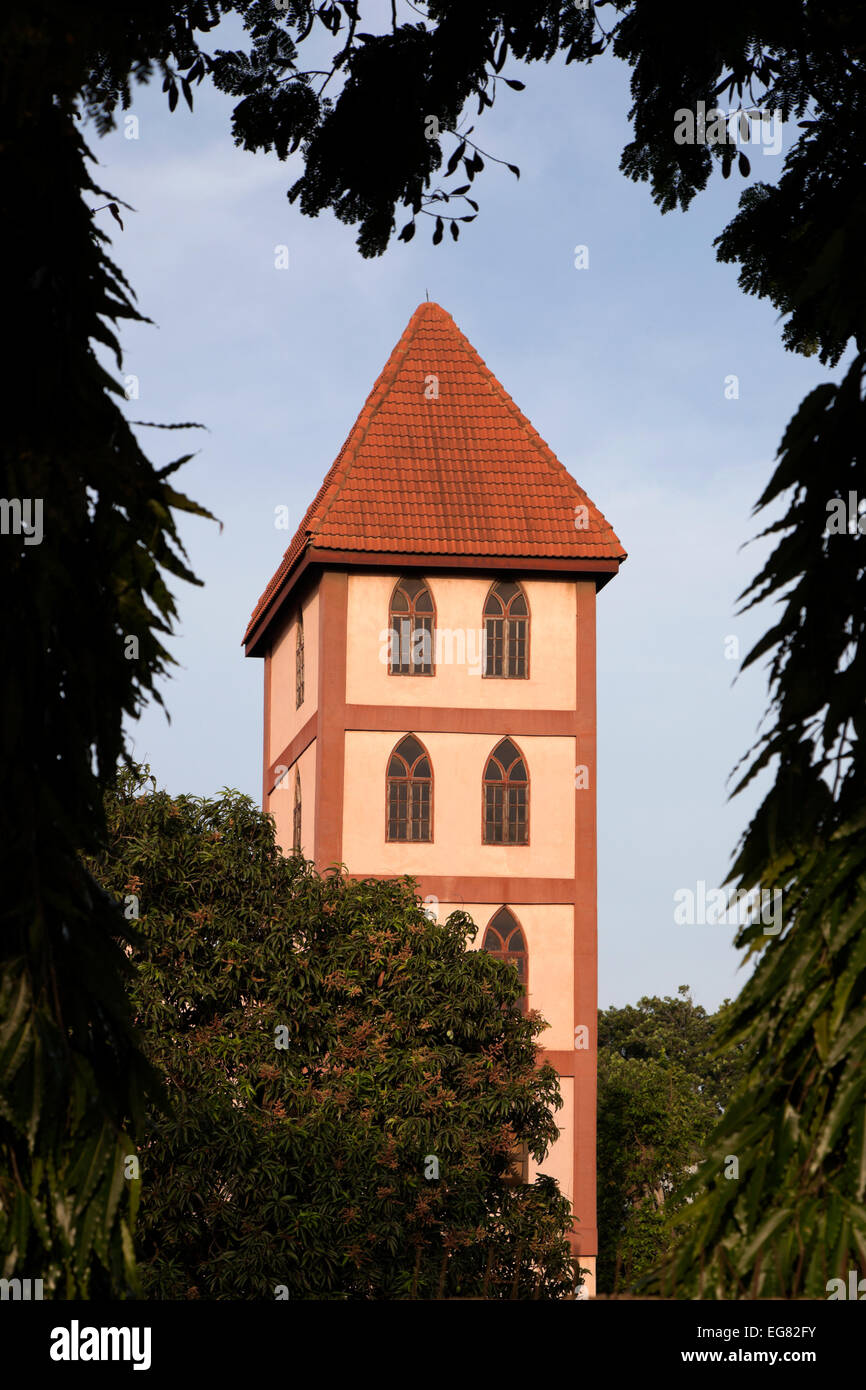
(518, 605)
(493, 815)
(504, 922)
(421, 769)
(517, 773)
(507, 591)
(506, 753)
(401, 646)
(409, 748)
(397, 768)
(424, 602)
(516, 819)
(420, 827)
(397, 804)
(495, 630)
(299, 665)
(492, 603)
(517, 647)
(422, 647)
(399, 602)
(296, 817)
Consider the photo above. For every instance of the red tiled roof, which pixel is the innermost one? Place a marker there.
(462, 474)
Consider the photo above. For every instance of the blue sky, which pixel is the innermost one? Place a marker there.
(620, 366)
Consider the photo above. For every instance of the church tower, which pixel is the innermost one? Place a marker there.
(429, 655)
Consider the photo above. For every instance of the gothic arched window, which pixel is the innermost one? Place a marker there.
(504, 939)
(412, 620)
(506, 797)
(506, 628)
(409, 792)
(299, 663)
(296, 816)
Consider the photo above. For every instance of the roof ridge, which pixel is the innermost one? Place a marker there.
(359, 431)
(524, 420)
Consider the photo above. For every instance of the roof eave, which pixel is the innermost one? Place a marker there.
(254, 643)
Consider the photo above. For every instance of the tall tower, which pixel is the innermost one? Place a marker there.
(429, 650)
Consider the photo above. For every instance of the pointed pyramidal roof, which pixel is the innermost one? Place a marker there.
(441, 463)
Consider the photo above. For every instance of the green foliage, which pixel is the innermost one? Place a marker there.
(662, 1086)
(304, 1165)
(797, 1215)
(85, 605)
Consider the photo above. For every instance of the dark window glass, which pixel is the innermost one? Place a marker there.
(299, 664)
(506, 623)
(506, 797)
(409, 792)
(412, 635)
(410, 749)
(504, 939)
(296, 816)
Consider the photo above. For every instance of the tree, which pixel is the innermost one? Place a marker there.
(88, 541)
(348, 1083)
(662, 1087)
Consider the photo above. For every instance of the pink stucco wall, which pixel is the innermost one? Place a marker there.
(459, 603)
(286, 719)
(458, 765)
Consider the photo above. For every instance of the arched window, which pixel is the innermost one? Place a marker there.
(506, 626)
(410, 792)
(299, 664)
(412, 619)
(506, 797)
(504, 938)
(296, 815)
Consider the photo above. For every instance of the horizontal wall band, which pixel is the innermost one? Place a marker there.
(562, 1061)
(293, 750)
(490, 889)
(447, 720)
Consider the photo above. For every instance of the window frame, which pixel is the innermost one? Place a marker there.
(409, 781)
(506, 620)
(517, 1172)
(300, 663)
(505, 954)
(412, 614)
(504, 782)
(297, 815)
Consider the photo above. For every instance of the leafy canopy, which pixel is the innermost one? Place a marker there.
(662, 1086)
(321, 1041)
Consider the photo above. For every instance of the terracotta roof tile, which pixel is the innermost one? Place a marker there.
(464, 473)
